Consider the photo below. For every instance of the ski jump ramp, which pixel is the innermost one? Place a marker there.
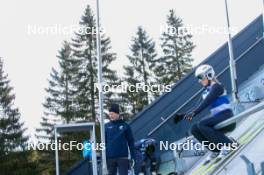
(156, 120)
(253, 150)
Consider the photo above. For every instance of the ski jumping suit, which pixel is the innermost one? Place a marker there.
(215, 97)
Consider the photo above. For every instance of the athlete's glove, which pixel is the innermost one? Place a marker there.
(178, 117)
(189, 116)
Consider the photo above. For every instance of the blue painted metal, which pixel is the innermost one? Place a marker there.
(165, 105)
(262, 168)
(83, 167)
(183, 90)
(250, 165)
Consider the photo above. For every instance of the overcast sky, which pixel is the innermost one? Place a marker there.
(28, 57)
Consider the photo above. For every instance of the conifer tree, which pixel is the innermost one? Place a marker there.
(177, 47)
(14, 156)
(84, 46)
(140, 71)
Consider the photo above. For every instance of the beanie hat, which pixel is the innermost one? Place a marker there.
(114, 108)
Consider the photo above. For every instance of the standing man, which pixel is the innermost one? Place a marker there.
(118, 138)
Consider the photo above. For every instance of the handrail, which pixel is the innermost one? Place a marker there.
(195, 95)
(165, 120)
(243, 114)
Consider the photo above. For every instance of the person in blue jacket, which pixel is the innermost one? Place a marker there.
(119, 138)
(146, 157)
(214, 96)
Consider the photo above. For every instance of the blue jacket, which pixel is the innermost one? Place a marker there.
(216, 98)
(118, 137)
(141, 147)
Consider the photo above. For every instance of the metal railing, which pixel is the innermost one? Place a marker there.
(238, 117)
(195, 95)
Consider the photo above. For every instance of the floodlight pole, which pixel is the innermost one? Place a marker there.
(94, 156)
(263, 15)
(100, 83)
(56, 152)
(232, 63)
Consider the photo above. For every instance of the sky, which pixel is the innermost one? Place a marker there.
(29, 56)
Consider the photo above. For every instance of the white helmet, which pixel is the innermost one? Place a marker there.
(205, 71)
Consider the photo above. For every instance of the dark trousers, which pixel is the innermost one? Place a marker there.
(204, 130)
(149, 162)
(120, 164)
